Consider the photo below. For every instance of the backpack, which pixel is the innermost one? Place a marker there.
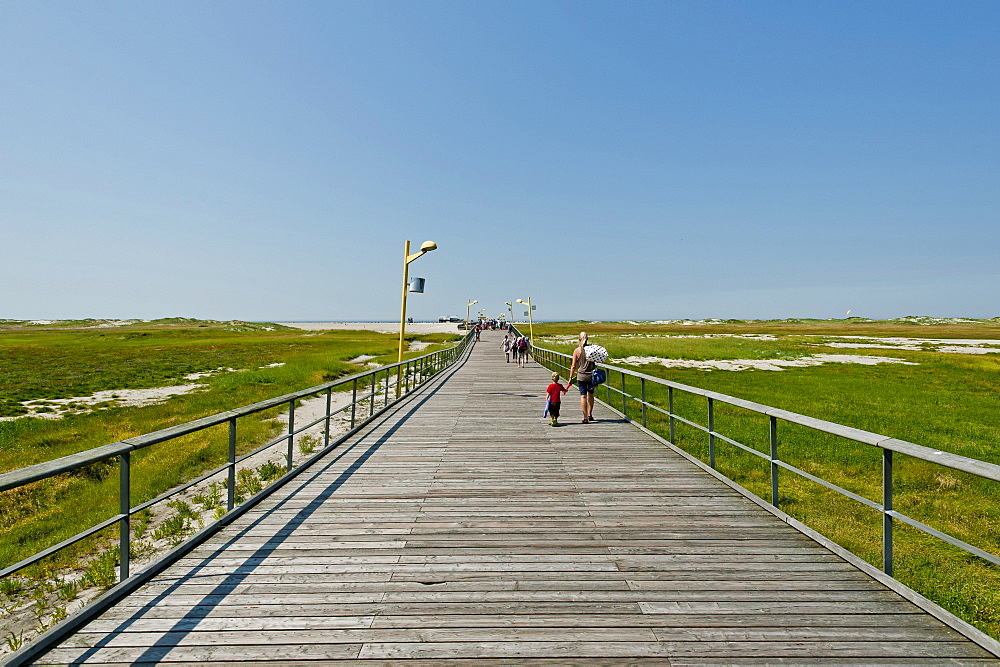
(522, 344)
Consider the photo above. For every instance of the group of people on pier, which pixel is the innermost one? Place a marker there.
(518, 347)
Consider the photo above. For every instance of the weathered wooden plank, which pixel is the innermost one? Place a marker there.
(523, 580)
(125, 612)
(357, 636)
(476, 591)
(856, 626)
(846, 651)
(202, 654)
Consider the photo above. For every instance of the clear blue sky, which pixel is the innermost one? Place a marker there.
(627, 160)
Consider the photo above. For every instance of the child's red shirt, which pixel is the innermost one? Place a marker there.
(555, 392)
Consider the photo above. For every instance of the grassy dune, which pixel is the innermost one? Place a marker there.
(948, 402)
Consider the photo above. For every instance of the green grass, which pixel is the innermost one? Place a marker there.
(701, 349)
(948, 402)
(59, 363)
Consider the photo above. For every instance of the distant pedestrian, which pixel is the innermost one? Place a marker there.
(555, 392)
(505, 346)
(584, 368)
(478, 330)
(522, 351)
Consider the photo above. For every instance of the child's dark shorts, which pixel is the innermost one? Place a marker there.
(554, 409)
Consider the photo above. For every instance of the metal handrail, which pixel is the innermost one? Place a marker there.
(406, 375)
(888, 445)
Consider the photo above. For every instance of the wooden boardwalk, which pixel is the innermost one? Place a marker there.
(462, 526)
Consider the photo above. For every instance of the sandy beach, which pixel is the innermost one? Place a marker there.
(384, 327)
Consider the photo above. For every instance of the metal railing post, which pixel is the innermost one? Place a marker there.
(886, 508)
(642, 389)
(354, 401)
(624, 406)
(231, 485)
(670, 412)
(326, 428)
(125, 507)
(291, 430)
(371, 399)
(774, 460)
(711, 433)
(387, 386)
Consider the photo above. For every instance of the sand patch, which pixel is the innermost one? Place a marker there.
(57, 408)
(945, 345)
(971, 349)
(868, 346)
(117, 323)
(762, 364)
(205, 374)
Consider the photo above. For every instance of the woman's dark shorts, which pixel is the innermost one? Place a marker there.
(586, 387)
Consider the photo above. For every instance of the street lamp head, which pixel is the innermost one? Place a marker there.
(427, 246)
(520, 301)
(508, 303)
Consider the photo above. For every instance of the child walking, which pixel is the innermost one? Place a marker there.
(555, 392)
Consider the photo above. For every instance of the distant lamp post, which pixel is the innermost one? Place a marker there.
(531, 319)
(425, 247)
(510, 307)
(467, 314)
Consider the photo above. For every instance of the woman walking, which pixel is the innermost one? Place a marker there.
(521, 349)
(584, 368)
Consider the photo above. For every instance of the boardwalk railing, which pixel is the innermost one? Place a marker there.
(391, 382)
(615, 393)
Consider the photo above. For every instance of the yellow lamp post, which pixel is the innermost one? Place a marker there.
(467, 314)
(531, 319)
(510, 307)
(425, 247)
